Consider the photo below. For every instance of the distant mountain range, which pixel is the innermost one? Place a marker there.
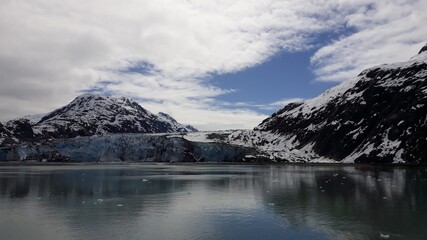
(87, 115)
(378, 117)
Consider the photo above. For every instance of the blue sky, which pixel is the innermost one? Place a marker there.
(214, 64)
(284, 76)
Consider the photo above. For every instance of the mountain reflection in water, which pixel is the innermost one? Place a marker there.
(212, 202)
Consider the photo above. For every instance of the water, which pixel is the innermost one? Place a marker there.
(212, 202)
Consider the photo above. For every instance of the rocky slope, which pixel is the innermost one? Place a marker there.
(88, 115)
(378, 117)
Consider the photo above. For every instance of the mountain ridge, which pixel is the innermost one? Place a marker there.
(87, 115)
(378, 117)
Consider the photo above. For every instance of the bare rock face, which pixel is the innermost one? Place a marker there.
(378, 117)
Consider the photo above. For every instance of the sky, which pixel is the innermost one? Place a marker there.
(215, 64)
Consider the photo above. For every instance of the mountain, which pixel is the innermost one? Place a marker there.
(378, 117)
(87, 115)
(16, 131)
(177, 126)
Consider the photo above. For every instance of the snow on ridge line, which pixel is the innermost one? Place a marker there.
(320, 101)
(105, 110)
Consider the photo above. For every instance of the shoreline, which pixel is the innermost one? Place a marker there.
(338, 164)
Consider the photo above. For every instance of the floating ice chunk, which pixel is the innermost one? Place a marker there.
(385, 236)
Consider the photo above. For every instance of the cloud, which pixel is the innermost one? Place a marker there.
(164, 52)
(386, 32)
(209, 115)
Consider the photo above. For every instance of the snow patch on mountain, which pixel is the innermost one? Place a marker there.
(278, 148)
(208, 136)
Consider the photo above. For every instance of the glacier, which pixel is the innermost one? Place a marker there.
(130, 148)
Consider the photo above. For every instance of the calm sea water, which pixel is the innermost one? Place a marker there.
(212, 202)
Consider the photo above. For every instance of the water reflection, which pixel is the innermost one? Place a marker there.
(212, 202)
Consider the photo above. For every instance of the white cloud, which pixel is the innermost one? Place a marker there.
(389, 31)
(51, 50)
(209, 116)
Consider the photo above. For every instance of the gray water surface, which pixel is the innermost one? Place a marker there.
(212, 202)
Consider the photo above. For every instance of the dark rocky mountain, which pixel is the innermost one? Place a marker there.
(88, 115)
(379, 117)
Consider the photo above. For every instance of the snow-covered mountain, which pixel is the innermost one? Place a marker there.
(87, 115)
(177, 126)
(378, 117)
(16, 131)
